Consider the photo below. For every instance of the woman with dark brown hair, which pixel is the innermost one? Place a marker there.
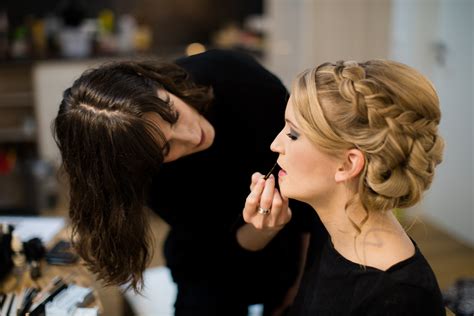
(181, 138)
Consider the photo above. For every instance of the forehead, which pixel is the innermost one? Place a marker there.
(162, 94)
(156, 120)
(289, 111)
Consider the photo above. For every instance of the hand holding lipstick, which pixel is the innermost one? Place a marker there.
(265, 196)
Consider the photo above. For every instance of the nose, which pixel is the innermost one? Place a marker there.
(187, 135)
(275, 146)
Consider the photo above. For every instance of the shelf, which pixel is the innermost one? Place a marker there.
(14, 135)
(16, 99)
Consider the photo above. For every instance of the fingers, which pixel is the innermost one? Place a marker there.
(253, 199)
(277, 202)
(255, 177)
(260, 196)
(267, 194)
(281, 203)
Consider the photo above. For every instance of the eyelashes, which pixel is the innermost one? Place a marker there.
(292, 135)
(174, 112)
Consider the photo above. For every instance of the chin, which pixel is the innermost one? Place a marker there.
(291, 194)
(285, 192)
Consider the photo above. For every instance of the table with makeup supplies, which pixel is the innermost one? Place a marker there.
(47, 279)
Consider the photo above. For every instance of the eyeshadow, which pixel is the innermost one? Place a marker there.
(270, 172)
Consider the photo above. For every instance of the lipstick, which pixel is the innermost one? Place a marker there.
(270, 172)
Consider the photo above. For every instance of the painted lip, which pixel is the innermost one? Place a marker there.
(203, 138)
(281, 173)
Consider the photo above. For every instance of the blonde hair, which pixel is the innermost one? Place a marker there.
(387, 110)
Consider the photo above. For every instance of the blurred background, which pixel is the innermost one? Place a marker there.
(45, 45)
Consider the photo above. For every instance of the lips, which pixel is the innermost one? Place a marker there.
(281, 173)
(203, 138)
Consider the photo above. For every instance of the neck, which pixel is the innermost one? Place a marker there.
(354, 231)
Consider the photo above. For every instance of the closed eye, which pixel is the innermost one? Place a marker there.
(166, 149)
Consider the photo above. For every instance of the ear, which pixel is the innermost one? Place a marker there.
(351, 166)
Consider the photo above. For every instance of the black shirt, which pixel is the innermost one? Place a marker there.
(337, 286)
(202, 195)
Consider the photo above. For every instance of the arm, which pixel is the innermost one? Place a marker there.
(253, 239)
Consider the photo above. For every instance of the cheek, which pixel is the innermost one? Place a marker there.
(170, 157)
(177, 151)
(309, 173)
(299, 166)
(301, 158)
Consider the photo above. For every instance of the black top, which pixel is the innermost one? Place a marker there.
(337, 286)
(202, 195)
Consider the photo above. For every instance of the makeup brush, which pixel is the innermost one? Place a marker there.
(270, 172)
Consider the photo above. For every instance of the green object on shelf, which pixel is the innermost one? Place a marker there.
(20, 33)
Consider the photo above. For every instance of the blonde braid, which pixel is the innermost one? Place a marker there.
(388, 111)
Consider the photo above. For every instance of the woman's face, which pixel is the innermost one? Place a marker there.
(307, 173)
(190, 134)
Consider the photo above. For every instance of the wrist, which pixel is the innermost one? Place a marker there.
(266, 231)
(254, 239)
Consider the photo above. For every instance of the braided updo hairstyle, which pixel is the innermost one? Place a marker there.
(387, 110)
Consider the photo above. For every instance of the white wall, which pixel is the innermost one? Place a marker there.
(50, 79)
(305, 33)
(437, 38)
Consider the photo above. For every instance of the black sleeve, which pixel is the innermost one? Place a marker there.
(221, 66)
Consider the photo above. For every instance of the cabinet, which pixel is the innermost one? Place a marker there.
(30, 93)
(18, 148)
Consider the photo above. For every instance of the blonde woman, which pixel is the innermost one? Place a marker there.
(360, 139)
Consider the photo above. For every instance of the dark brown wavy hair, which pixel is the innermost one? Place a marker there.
(109, 154)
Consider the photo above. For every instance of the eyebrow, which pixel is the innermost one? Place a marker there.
(291, 123)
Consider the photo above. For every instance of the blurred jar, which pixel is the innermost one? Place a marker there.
(38, 38)
(143, 38)
(75, 42)
(127, 28)
(20, 46)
